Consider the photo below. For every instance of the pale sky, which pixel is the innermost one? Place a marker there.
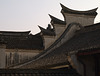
(25, 15)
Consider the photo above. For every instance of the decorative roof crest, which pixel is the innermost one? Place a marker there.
(91, 12)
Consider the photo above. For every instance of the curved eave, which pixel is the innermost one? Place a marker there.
(89, 12)
(46, 32)
(55, 20)
(41, 28)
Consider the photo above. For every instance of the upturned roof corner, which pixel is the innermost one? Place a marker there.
(55, 20)
(41, 28)
(91, 12)
(49, 32)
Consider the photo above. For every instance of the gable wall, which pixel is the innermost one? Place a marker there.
(82, 19)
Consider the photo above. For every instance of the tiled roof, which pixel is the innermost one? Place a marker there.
(86, 38)
(30, 42)
(2, 41)
(89, 12)
(53, 58)
(39, 72)
(90, 28)
(15, 32)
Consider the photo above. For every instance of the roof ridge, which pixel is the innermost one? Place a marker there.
(91, 12)
(89, 28)
(49, 49)
(92, 25)
(41, 28)
(15, 31)
(46, 31)
(56, 20)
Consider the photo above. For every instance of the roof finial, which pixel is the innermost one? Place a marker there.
(41, 28)
(49, 27)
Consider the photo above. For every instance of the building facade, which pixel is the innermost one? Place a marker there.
(72, 43)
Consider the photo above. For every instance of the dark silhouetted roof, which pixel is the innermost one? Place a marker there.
(89, 12)
(14, 32)
(87, 38)
(90, 27)
(39, 72)
(2, 42)
(55, 20)
(34, 43)
(22, 40)
(84, 39)
(48, 32)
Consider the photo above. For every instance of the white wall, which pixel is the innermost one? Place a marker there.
(84, 20)
(14, 56)
(49, 40)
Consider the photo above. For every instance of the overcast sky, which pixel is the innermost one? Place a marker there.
(24, 15)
